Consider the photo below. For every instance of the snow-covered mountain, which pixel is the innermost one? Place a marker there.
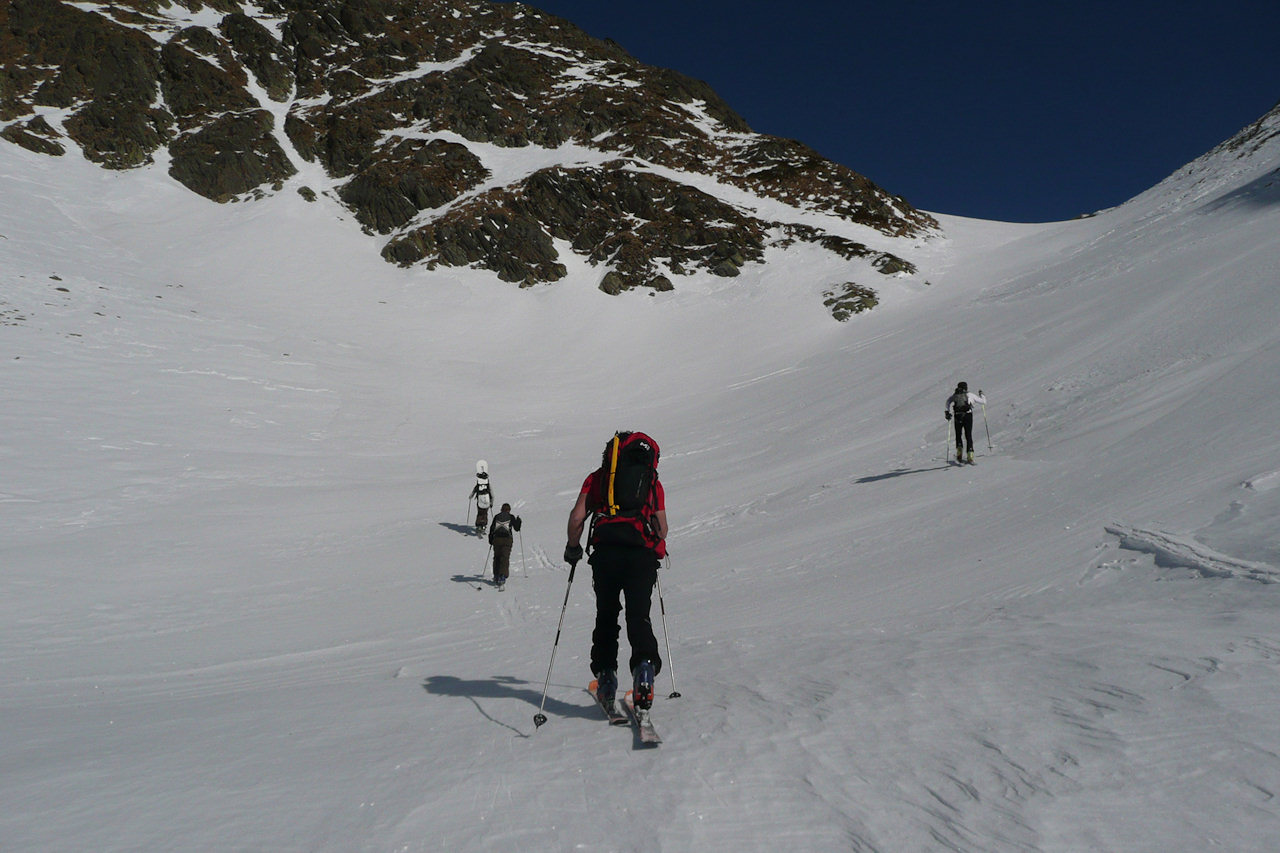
(240, 609)
(455, 132)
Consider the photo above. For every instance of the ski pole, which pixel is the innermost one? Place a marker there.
(671, 664)
(485, 564)
(468, 512)
(984, 424)
(540, 718)
(524, 571)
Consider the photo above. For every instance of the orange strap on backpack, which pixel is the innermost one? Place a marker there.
(610, 505)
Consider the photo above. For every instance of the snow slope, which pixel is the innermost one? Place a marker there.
(240, 609)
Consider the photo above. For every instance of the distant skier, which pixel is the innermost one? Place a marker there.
(961, 404)
(483, 496)
(627, 539)
(502, 535)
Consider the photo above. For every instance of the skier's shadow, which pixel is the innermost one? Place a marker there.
(465, 529)
(475, 581)
(901, 472)
(504, 687)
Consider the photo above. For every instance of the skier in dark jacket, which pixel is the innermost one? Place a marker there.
(960, 404)
(502, 536)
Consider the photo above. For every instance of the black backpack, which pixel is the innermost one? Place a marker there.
(623, 499)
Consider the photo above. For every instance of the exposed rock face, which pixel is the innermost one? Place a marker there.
(262, 54)
(129, 94)
(403, 102)
(848, 299)
(200, 80)
(231, 155)
(1253, 137)
(618, 217)
(412, 175)
(34, 135)
(57, 55)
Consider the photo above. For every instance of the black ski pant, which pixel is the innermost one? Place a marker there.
(482, 518)
(629, 573)
(502, 558)
(964, 422)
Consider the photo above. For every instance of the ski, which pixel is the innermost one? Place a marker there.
(610, 709)
(640, 719)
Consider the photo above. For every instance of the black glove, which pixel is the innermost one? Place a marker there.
(572, 554)
(947, 415)
(516, 524)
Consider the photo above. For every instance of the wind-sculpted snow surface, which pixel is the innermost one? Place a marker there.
(241, 606)
(1180, 551)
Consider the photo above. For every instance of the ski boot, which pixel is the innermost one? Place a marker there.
(970, 459)
(606, 687)
(643, 695)
(959, 455)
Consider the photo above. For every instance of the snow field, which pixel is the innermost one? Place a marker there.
(239, 608)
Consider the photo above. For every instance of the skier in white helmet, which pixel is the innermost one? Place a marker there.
(483, 496)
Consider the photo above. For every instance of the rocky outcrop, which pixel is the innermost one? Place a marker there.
(885, 263)
(793, 172)
(60, 56)
(848, 299)
(412, 175)
(224, 145)
(231, 155)
(200, 79)
(488, 233)
(34, 135)
(129, 94)
(262, 54)
(637, 225)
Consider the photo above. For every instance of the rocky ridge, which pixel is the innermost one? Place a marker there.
(402, 102)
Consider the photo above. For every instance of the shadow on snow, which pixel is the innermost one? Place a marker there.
(464, 529)
(475, 581)
(901, 472)
(505, 687)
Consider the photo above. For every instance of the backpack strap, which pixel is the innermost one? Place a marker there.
(591, 534)
(610, 504)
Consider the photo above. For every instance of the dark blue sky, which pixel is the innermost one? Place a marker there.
(1022, 111)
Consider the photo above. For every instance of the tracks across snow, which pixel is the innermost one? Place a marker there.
(1017, 728)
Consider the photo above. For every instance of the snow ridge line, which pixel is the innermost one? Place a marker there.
(1171, 549)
